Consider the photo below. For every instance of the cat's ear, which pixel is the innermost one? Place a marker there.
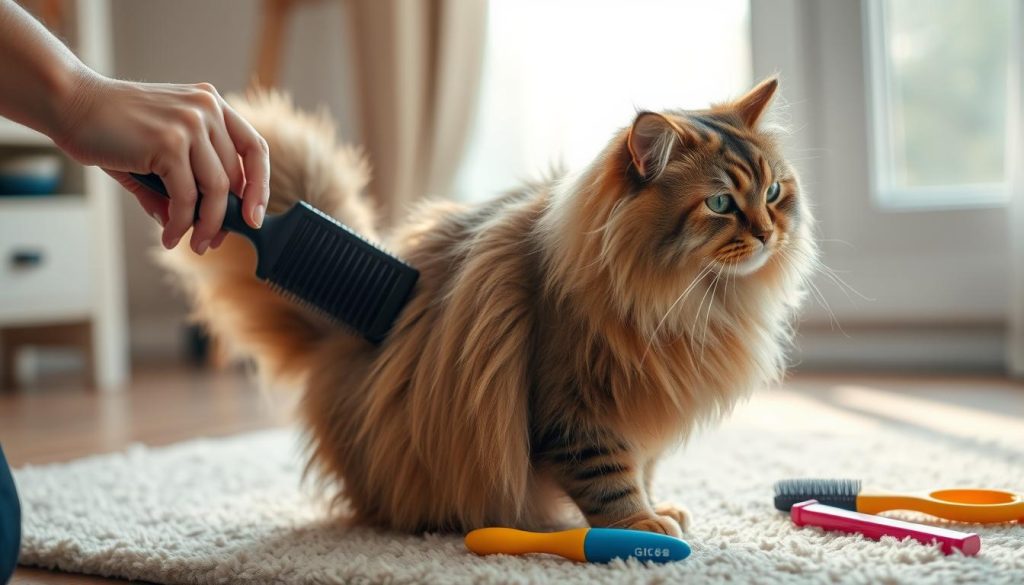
(650, 142)
(751, 106)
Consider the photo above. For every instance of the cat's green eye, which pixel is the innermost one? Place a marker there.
(773, 192)
(720, 203)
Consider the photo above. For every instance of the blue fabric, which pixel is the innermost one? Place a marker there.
(10, 521)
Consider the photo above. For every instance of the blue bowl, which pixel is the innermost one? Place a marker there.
(30, 174)
(27, 185)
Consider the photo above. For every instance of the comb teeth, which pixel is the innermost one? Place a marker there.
(337, 273)
(840, 493)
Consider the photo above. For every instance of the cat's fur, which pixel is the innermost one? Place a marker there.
(560, 338)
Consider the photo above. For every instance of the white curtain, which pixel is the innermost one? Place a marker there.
(417, 69)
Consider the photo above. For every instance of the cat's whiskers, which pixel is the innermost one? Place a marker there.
(790, 257)
(696, 318)
(707, 318)
(730, 266)
(842, 284)
(836, 241)
(682, 296)
(816, 263)
(731, 277)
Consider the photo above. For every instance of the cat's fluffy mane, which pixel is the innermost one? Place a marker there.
(530, 307)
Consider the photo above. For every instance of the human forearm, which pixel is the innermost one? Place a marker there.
(39, 76)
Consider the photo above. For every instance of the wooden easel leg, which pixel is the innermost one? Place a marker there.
(271, 44)
(8, 352)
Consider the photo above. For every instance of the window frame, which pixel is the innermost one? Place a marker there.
(884, 192)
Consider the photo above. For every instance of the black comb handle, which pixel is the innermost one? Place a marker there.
(317, 261)
(233, 220)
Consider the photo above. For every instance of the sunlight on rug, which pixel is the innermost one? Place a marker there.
(235, 511)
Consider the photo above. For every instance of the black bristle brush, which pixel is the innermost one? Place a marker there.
(838, 493)
(310, 257)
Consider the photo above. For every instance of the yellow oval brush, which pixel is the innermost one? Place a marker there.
(595, 545)
(961, 505)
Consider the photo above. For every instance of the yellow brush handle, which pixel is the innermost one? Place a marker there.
(961, 505)
(489, 541)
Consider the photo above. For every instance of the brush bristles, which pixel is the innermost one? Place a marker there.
(341, 275)
(840, 493)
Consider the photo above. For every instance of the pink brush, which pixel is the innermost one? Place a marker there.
(811, 513)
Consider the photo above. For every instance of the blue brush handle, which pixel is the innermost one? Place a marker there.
(234, 221)
(604, 544)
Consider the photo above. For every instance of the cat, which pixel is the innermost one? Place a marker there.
(561, 337)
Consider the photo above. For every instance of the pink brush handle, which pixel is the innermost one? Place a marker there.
(811, 513)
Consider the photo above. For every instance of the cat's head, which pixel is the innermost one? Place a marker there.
(712, 186)
(681, 192)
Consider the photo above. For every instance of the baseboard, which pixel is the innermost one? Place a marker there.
(938, 348)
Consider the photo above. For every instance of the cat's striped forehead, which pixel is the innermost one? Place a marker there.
(741, 153)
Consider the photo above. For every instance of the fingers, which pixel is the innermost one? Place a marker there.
(256, 165)
(152, 203)
(232, 166)
(213, 184)
(218, 239)
(225, 149)
(181, 189)
(229, 160)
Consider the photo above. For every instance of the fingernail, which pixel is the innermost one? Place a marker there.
(201, 248)
(174, 243)
(158, 219)
(257, 215)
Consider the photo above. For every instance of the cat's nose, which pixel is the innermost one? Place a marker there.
(763, 236)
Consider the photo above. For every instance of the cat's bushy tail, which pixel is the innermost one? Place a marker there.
(241, 312)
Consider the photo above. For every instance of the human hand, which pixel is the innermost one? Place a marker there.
(186, 134)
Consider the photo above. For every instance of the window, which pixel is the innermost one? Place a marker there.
(561, 76)
(940, 101)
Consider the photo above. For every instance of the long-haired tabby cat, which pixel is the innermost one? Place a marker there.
(560, 338)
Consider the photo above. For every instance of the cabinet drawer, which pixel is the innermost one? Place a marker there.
(45, 272)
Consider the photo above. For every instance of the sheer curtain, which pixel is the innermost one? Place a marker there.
(560, 76)
(417, 69)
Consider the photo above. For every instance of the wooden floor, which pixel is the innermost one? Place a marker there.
(60, 420)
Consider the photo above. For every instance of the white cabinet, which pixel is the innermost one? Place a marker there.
(45, 251)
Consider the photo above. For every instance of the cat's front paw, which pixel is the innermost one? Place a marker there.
(648, 522)
(675, 511)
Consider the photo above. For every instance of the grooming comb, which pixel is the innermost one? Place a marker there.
(962, 505)
(311, 258)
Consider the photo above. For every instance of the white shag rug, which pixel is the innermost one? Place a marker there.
(234, 511)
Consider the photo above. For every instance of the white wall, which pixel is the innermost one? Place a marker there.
(189, 41)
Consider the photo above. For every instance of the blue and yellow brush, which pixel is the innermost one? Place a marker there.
(594, 545)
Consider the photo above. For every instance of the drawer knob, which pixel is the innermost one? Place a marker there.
(26, 258)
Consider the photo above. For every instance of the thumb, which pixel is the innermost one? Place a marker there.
(152, 202)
